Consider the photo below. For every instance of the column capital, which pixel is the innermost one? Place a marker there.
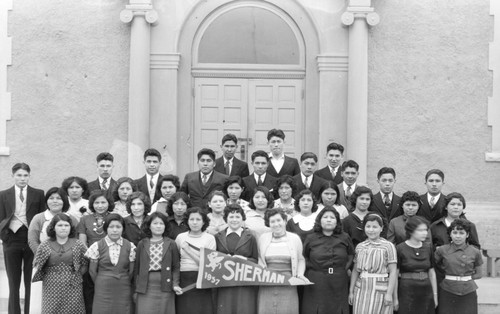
(139, 9)
(360, 9)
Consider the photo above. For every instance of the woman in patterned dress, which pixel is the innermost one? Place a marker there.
(234, 188)
(284, 188)
(111, 266)
(374, 274)
(60, 263)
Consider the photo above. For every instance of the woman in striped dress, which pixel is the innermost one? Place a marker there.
(374, 273)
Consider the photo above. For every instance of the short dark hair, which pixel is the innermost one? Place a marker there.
(146, 226)
(317, 223)
(329, 185)
(409, 196)
(236, 209)
(174, 198)
(51, 228)
(80, 181)
(349, 164)
(386, 170)
(152, 152)
(434, 171)
(143, 197)
(215, 193)
(61, 193)
(335, 146)
(197, 210)
(119, 183)
(21, 166)
(460, 224)
(231, 180)
(300, 195)
(276, 132)
(449, 197)
(206, 151)
(308, 155)
(273, 212)
(267, 194)
(168, 178)
(229, 137)
(104, 156)
(412, 224)
(373, 217)
(113, 217)
(285, 179)
(95, 195)
(360, 190)
(259, 153)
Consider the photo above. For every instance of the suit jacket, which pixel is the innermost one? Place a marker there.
(247, 245)
(343, 200)
(142, 185)
(433, 214)
(251, 184)
(95, 185)
(290, 167)
(198, 193)
(315, 186)
(35, 203)
(239, 168)
(325, 173)
(378, 206)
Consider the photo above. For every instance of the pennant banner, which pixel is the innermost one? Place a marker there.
(221, 270)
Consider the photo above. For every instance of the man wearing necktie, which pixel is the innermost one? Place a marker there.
(433, 202)
(350, 173)
(307, 179)
(104, 180)
(147, 184)
(334, 157)
(259, 177)
(18, 205)
(228, 164)
(386, 202)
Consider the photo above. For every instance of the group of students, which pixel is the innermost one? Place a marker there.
(132, 246)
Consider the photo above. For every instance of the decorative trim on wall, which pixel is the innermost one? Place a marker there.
(494, 100)
(249, 74)
(5, 61)
(165, 61)
(333, 63)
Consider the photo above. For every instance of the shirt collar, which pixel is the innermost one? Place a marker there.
(390, 195)
(18, 189)
(282, 156)
(208, 175)
(454, 247)
(262, 177)
(298, 218)
(304, 178)
(353, 187)
(110, 242)
(155, 177)
(336, 168)
(238, 232)
(230, 160)
(436, 198)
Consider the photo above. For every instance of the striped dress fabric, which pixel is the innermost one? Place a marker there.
(369, 293)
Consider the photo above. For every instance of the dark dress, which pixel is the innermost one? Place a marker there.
(326, 262)
(415, 295)
(133, 231)
(174, 228)
(292, 226)
(241, 300)
(353, 226)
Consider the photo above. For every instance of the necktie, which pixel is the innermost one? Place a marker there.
(204, 179)
(21, 196)
(104, 184)
(306, 183)
(387, 201)
(259, 182)
(151, 183)
(348, 191)
(226, 166)
(334, 173)
(433, 201)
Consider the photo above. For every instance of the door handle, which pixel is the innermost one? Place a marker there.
(242, 152)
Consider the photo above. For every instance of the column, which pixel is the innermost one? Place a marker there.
(358, 17)
(140, 14)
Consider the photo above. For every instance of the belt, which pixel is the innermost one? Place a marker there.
(458, 278)
(366, 274)
(416, 276)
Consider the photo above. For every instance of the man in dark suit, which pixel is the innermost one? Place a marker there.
(280, 164)
(350, 174)
(228, 164)
(18, 205)
(104, 180)
(334, 156)
(147, 184)
(386, 202)
(307, 179)
(199, 184)
(260, 162)
(433, 202)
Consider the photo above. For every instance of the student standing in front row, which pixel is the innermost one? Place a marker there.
(259, 177)
(104, 180)
(147, 184)
(280, 163)
(199, 184)
(332, 171)
(386, 202)
(18, 205)
(227, 163)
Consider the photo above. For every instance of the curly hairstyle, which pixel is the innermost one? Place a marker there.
(273, 212)
(410, 196)
(448, 198)
(143, 197)
(317, 223)
(51, 228)
(61, 193)
(168, 178)
(413, 223)
(231, 180)
(460, 224)
(204, 217)
(146, 226)
(373, 217)
(302, 193)
(174, 198)
(360, 190)
(95, 195)
(286, 179)
(234, 209)
(267, 194)
(119, 183)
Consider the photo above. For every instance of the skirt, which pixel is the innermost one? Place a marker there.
(36, 297)
(278, 300)
(194, 301)
(369, 295)
(241, 300)
(415, 297)
(113, 294)
(457, 304)
(154, 300)
(62, 291)
(329, 294)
